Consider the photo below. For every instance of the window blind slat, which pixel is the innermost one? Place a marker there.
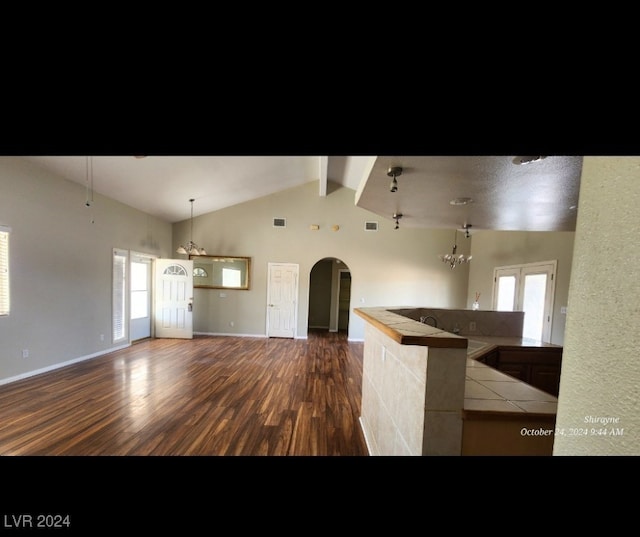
(119, 288)
(4, 272)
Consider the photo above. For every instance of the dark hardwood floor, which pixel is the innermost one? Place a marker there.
(206, 396)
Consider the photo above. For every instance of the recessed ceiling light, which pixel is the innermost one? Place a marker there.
(460, 201)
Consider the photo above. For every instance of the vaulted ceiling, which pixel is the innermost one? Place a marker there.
(501, 192)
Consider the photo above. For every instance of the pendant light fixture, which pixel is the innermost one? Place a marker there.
(192, 247)
(89, 181)
(454, 259)
(394, 172)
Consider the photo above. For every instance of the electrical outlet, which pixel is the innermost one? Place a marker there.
(101, 337)
(563, 310)
(25, 353)
(472, 326)
(231, 323)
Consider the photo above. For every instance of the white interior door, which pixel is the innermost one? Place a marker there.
(282, 299)
(173, 298)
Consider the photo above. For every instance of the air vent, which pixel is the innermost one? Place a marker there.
(371, 226)
(279, 222)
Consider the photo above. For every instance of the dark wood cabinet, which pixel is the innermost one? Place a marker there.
(537, 366)
(519, 371)
(546, 377)
(490, 358)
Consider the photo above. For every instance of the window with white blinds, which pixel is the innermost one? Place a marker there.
(120, 261)
(4, 270)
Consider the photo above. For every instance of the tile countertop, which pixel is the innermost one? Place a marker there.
(487, 390)
(409, 332)
(485, 343)
(490, 390)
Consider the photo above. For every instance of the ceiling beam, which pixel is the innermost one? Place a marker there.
(322, 172)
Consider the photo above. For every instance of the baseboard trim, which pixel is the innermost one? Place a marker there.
(227, 334)
(364, 433)
(53, 367)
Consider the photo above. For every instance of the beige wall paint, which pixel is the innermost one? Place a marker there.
(60, 266)
(600, 377)
(491, 249)
(388, 267)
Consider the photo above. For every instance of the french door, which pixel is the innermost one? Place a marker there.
(529, 288)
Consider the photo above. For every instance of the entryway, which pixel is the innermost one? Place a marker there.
(174, 298)
(145, 288)
(329, 296)
(140, 291)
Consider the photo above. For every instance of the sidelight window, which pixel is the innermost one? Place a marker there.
(119, 289)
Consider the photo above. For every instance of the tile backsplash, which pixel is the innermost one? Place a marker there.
(469, 322)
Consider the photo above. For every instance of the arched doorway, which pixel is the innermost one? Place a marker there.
(329, 296)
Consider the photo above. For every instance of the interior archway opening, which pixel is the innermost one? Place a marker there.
(329, 297)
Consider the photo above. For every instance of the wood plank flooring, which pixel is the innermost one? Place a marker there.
(207, 396)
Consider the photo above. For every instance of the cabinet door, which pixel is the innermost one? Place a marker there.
(519, 371)
(490, 359)
(546, 378)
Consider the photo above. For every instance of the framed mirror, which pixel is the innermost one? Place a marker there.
(221, 271)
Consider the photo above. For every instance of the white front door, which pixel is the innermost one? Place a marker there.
(282, 300)
(174, 298)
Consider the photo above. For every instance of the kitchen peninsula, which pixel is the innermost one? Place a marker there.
(426, 390)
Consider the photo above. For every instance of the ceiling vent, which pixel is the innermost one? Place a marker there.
(371, 226)
(279, 222)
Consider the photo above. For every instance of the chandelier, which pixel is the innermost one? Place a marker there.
(191, 248)
(454, 259)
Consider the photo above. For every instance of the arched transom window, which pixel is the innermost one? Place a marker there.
(175, 270)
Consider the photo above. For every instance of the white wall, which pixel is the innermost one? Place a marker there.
(61, 266)
(388, 267)
(491, 249)
(600, 378)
